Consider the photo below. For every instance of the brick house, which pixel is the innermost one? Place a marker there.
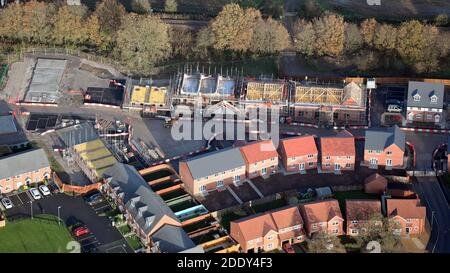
(269, 230)
(212, 171)
(407, 214)
(261, 158)
(298, 153)
(25, 168)
(425, 102)
(359, 213)
(322, 216)
(384, 148)
(376, 184)
(338, 153)
(146, 213)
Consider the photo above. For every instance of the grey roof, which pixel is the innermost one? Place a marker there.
(23, 162)
(381, 139)
(7, 124)
(145, 206)
(172, 239)
(425, 90)
(78, 134)
(215, 162)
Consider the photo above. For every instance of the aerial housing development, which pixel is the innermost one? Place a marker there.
(262, 127)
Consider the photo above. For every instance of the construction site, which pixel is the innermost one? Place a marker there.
(328, 104)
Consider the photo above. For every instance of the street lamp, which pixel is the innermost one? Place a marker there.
(31, 209)
(432, 219)
(59, 222)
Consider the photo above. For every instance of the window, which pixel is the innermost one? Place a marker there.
(389, 153)
(219, 183)
(349, 157)
(388, 162)
(408, 220)
(354, 231)
(416, 97)
(354, 221)
(17, 176)
(297, 227)
(263, 170)
(232, 170)
(273, 159)
(327, 157)
(7, 179)
(300, 237)
(223, 172)
(348, 165)
(310, 163)
(270, 237)
(202, 188)
(256, 163)
(335, 223)
(327, 164)
(370, 151)
(429, 116)
(237, 178)
(335, 231)
(379, 151)
(269, 246)
(418, 116)
(314, 225)
(310, 156)
(434, 99)
(373, 161)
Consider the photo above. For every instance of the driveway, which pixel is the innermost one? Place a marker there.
(101, 234)
(438, 211)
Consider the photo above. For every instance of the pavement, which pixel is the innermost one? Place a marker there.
(103, 237)
(438, 212)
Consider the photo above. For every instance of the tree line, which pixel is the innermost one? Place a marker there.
(141, 41)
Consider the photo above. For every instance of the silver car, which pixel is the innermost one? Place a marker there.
(35, 193)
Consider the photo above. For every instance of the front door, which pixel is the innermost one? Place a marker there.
(389, 162)
(301, 166)
(263, 171)
(337, 167)
(407, 230)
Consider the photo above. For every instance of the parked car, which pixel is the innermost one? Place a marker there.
(79, 231)
(94, 199)
(394, 108)
(35, 193)
(44, 190)
(7, 203)
(288, 248)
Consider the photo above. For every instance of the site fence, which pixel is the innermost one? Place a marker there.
(75, 189)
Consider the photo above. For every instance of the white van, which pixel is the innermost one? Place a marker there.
(393, 108)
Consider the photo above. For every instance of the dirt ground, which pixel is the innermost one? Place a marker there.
(388, 9)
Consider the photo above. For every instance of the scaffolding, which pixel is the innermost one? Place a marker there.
(265, 91)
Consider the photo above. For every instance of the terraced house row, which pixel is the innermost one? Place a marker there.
(218, 169)
(293, 224)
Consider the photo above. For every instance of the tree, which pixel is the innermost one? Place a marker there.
(305, 38)
(329, 31)
(182, 42)
(441, 20)
(321, 242)
(170, 6)
(269, 37)
(203, 43)
(416, 45)
(37, 21)
(141, 6)
(110, 15)
(233, 28)
(353, 40)
(385, 37)
(11, 22)
(69, 26)
(368, 28)
(142, 42)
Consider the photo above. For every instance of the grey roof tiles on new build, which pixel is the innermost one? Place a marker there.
(23, 162)
(77, 134)
(425, 91)
(146, 207)
(381, 139)
(215, 162)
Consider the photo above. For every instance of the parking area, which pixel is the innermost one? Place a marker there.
(101, 237)
(382, 97)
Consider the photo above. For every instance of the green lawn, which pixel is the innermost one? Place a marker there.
(134, 242)
(40, 235)
(341, 196)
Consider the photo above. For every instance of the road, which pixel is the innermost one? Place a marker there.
(433, 198)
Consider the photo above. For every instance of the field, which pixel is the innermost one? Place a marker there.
(391, 10)
(40, 235)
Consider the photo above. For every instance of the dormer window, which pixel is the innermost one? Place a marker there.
(434, 99)
(416, 97)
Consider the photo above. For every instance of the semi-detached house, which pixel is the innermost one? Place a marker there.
(425, 102)
(322, 216)
(261, 158)
(212, 171)
(384, 148)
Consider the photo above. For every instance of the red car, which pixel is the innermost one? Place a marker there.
(288, 248)
(80, 231)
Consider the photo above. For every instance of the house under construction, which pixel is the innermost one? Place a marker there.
(328, 104)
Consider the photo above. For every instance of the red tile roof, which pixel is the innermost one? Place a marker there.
(299, 146)
(258, 151)
(406, 208)
(337, 146)
(362, 210)
(321, 211)
(257, 226)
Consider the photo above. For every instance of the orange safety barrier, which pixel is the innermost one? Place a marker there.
(75, 189)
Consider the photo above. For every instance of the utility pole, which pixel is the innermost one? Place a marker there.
(31, 209)
(59, 215)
